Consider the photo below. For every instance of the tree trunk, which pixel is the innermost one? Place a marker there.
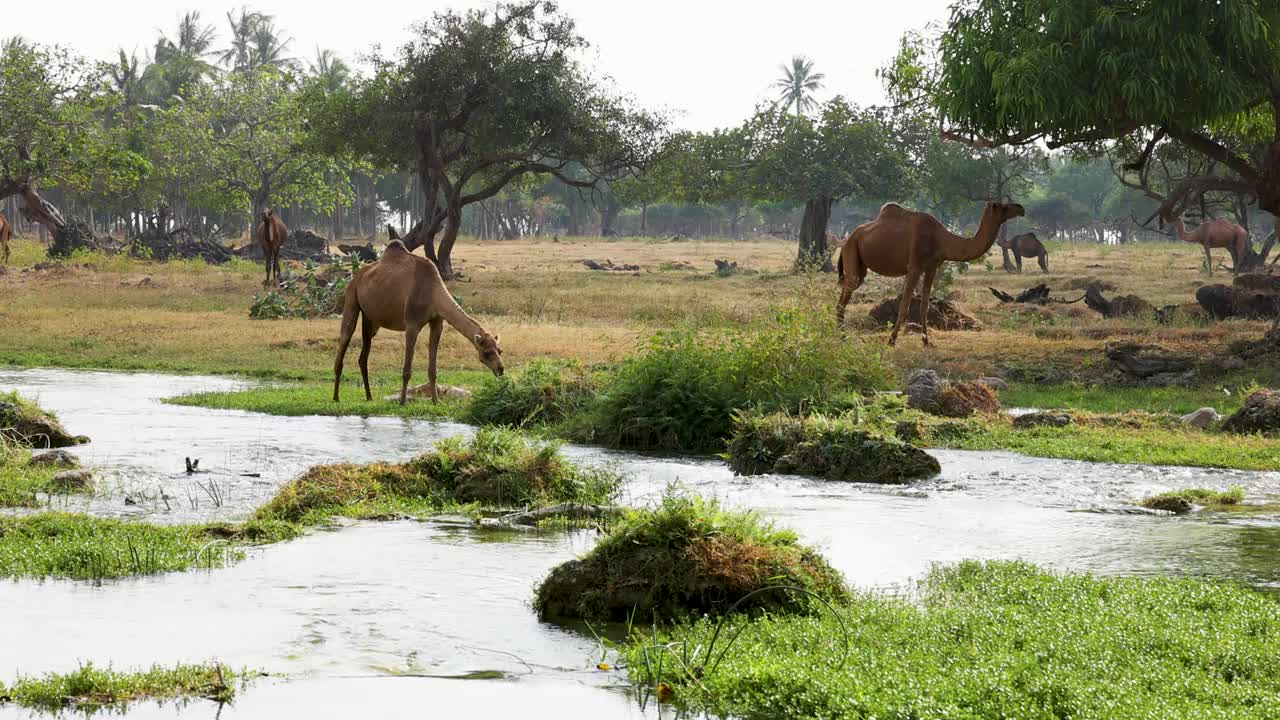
(444, 254)
(609, 216)
(814, 253)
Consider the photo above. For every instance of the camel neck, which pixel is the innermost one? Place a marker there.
(963, 249)
(1180, 228)
(457, 317)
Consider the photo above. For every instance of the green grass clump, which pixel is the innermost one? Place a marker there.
(681, 391)
(496, 467)
(19, 480)
(687, 556)
(317, 399)
(84, 547)
(90, 688)
(988, 640)
(542, 392)
(1198, 496)
(830, 448)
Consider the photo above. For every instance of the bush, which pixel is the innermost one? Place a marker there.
(988, 640)
(495, 467)
(829, 448)
(544, 391)
(687, 556)
(317, 291)
(681, 392)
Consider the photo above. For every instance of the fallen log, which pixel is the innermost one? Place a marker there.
(530, 518)
(1038, 295)
(1121, 306)
(1144, 361)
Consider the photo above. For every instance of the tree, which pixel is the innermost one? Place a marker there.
(842, 153)
(245, 136)
(181, 62)
(50, 132)
(330, 70)
(1205, 75)
(798, 84)
(479, 100)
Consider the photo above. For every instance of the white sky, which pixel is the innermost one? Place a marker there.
(709, 61)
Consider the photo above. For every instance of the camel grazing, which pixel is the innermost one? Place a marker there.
(905, 242)
(1216, 234)
(1026, 245)
(404, 293)
(4, 239)
(272, 233)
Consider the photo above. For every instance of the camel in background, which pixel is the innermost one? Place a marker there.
(1026, 245)
(404, 293)
(905, 242)
(1216, 234)
(4, 239)
(271, 233)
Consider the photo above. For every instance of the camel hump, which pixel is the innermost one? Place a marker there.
(395, 247)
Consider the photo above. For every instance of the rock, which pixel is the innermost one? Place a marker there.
(1251, 296)
(423, 392)
(943, 315)
(968, 399)
(924, 389)
(1041, 419)
(1260, 413)
(72, 480)
(1202, 418)
(908, 431)
(57, 459)
(35, 429)
(995, 383)
(1172, 379)
(365, 253)
(1229, 363)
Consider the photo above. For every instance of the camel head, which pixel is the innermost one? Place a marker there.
(267, 215)
(1004, 212)
(490, 352)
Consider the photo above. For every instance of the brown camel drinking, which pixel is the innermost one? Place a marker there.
(4, 239)
(902, 242)
(272, 233)
(404, 293)
(1026, 245)
(1216, 234)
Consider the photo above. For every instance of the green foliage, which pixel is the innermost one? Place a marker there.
(316, 291)
(988, 640)
(832, 448)
(1199, 496)
(544, 392)
(82, 547)
(688, 555)
(494, 468)
(19, 480)
(90, 688)
(681, 391)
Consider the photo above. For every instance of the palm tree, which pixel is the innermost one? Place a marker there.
(181, 61)
(269, 47)
(330, 69)
(239, 55)
(126, 78)
(798, 83)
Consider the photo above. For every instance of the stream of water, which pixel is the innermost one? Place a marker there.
(398, 614)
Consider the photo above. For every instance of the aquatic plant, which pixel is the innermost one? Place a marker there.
(543, 392)
(985, 640)
(688, 556)
(830, 448)
(1182, 500)
(89, 688)
(494, 467)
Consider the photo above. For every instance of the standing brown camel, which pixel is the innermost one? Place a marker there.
(271, 236)
(905, 242)
(4, 239)
(404, 292)
(1026, 245)
(1216, 234)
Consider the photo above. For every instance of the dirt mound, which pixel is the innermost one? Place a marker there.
(943, 315)
(300, 245)
(967, 399)
(1260, 414)
(1085, 283)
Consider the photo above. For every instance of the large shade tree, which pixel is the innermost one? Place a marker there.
(1203, 75)
(483, 98)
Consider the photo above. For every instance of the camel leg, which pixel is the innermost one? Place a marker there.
(904, 307)
(1208, 260)
(410, 343)
(367, 330)
(1017, 256)
(266, 259)
(846, 293)
(349, 314)
(275, 261)
(433, 347)
(1044, 261)
(926, 291)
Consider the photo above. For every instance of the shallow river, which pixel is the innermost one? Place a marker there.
(385, 617)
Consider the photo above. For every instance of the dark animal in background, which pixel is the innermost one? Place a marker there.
(1026, 245)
